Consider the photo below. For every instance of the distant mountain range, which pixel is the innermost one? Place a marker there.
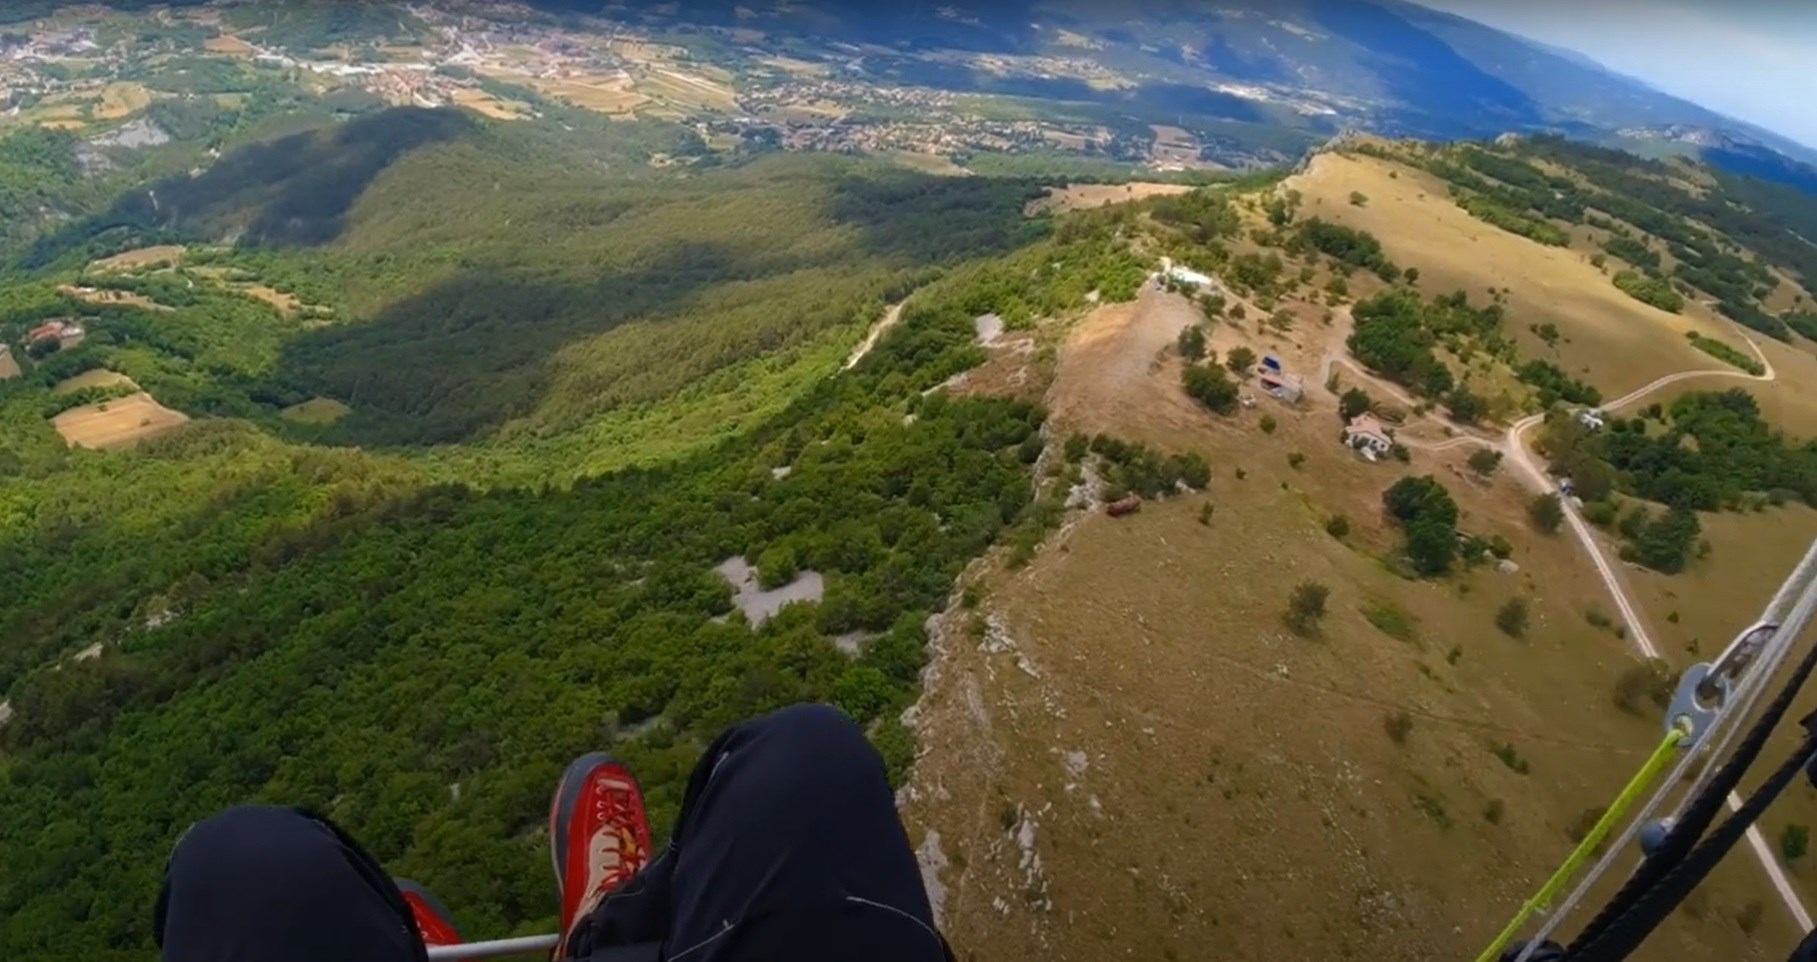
(1386, 66)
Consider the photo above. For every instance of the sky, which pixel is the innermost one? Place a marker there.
(1752, 59)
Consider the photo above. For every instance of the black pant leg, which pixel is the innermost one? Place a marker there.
(789, 846)
(264, 884)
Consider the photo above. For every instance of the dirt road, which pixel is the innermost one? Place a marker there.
(1513, 447)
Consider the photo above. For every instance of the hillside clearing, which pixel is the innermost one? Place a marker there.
(319, 410)
(1060, 200)
(100, 377)
(489, 105)
(9, 366)
(144, 257)
(94, 295)
(120, 423)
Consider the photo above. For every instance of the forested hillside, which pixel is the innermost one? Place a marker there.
(237, 610)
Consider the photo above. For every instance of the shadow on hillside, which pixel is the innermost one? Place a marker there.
(1438, 85)
(933, 220)
(466, 356)
(292, 191)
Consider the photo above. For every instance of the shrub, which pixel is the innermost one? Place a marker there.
(1650, 681)
(1546, 512)
(1352, 403)
(1359, 199)
(1494, 811)
(1210, 386)
(1398, 725)
(1391, 620)
(1192, 343)
(1295, 459)
(1337, 526)
(1586, 820)
(1748, 918)
(1794, 842)
(1205, 511)
(1511, 617)
(1267, 424)
(1484, 461)
(1306, 607)
(1412, 275)
(1511, 758)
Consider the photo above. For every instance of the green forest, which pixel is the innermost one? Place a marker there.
(399, 619)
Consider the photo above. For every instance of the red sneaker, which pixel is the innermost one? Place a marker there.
(598, 835)
(433, 922)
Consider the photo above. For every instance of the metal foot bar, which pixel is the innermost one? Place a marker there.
(497, 948)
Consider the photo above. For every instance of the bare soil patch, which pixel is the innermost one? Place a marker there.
(760, 604)
(1089, 196)
(228, 44)
(9, 366)
(120, 423)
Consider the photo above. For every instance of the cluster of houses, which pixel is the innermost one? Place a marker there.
(67, 333)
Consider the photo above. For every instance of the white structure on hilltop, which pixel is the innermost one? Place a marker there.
(1186, 275)
(1367, 436)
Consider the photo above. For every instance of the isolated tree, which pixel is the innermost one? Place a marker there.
(1465, 406)
(1546, 512)
(1211, 387)
(1794, 842)
(1306, 606)
(1511, 617)
(1412, 275)
(1192, 342)
(1431, 546)
(1484, 461)
(1241, 360)
(1353, 403)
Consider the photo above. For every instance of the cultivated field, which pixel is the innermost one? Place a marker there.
(1159, 765)
(489, 105)
(95, 378)
(120, 423)
(140, 259)
(230, 45)
(1087, 196)
(98, 296)
(121, 100)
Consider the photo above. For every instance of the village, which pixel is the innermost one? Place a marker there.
(77, 76)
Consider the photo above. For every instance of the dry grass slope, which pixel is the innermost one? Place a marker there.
(1152, 765)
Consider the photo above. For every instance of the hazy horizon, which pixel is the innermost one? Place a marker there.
(1747, 59)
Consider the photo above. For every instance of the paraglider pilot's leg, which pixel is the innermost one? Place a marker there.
(277, 885)
(787, 846)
